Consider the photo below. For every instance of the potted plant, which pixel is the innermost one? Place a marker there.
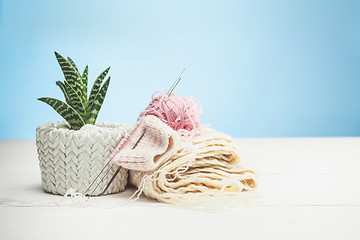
(72, 153)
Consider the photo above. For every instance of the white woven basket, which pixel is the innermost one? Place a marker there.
(73, 159)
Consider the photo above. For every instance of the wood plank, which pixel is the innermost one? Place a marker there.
(274, 190)
(308, 190)
(173, 223)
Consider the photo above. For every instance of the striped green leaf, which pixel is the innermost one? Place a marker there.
(72, 63)
(75, 100)
(81, 79)
(84, 79)
(81, 90)
(66, 111)
(67, 68)
(72, 76)
(78, 109)
(62, 87)
(97, 85)
(94, 108)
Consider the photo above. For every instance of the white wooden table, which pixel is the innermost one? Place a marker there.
(309, 189)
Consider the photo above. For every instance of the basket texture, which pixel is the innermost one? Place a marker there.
(73, 159)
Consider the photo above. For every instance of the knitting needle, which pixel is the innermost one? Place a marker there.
(111, 180)
(175, 83)
(137, 142)
(118, 170)
(142, 135)
(113, 177)
(173, 89)
(100, 181)
(96, 178)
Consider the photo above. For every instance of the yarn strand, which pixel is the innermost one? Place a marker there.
(181, 113)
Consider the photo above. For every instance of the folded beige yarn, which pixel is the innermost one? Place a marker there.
(208, 167)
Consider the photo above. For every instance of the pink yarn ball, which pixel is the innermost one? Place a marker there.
(181, 113)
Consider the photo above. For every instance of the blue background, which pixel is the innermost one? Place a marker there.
(259, 68)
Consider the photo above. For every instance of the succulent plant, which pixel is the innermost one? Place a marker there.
(78, 109)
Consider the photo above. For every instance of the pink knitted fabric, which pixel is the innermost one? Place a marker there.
(158, 143)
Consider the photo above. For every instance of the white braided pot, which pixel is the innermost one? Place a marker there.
(73, 159)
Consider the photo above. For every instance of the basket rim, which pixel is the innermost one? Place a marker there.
(64, 127)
